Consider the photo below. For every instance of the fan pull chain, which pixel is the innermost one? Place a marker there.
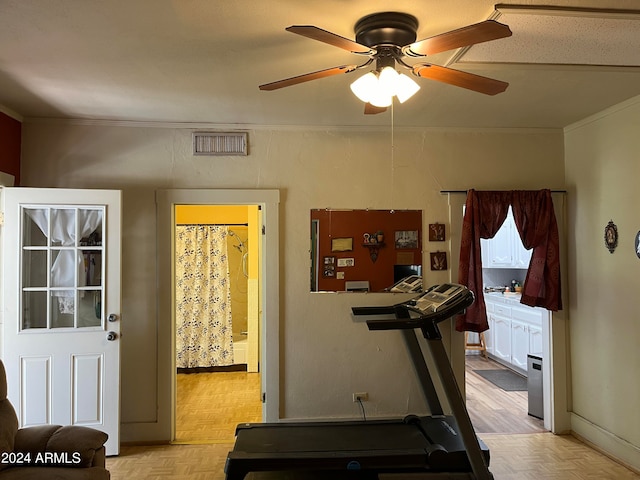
(393, 148)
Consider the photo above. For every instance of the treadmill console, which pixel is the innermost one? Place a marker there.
(437, 298)
(410, 284)
(436, 304)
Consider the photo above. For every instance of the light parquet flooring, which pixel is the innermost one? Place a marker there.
(493, 410)
(537, 456)
(523, 456)
(209, 406)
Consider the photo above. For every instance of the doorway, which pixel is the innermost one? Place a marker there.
(553, 341)
(217, 263)
(267, 202)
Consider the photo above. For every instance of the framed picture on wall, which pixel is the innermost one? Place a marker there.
(436, 232)
(438, 260)
(406, 239)
(329, 267)
(346, 262)
(341, 244)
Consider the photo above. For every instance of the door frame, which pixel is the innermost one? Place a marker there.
(105, 353)
(269, 201)
(555, 340)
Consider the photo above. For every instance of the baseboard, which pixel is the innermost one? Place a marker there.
(606, 442)
(228, 368)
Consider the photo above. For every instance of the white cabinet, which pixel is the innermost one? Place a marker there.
(535, 339)
(505, 249)
(521, 256)
(502, 338)
(515, 331)
(489, 334)
(499, 249)
(519, 344)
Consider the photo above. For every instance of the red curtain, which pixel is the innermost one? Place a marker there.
(536, 222)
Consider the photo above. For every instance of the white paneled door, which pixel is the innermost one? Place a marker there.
(61, 257)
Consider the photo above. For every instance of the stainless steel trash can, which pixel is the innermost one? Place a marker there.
(534, 385)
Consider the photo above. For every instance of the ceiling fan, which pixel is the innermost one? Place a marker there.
(388, 38)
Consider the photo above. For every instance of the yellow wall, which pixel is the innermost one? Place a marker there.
(212, 214)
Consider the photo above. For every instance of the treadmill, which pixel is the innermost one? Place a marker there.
(437, 446)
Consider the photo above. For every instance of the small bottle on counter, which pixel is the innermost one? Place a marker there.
(514, 284)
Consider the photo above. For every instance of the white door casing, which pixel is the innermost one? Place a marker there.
(269, 307)
(61, 300)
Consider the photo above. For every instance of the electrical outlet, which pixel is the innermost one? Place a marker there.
(360, 396)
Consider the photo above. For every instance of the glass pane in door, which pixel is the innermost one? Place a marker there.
(35, 226)
(34, 310)
(34, 268)
(89, 308)
(62, 267)
(92, 263)
(63, 307)
(63, 227)
(90, 227)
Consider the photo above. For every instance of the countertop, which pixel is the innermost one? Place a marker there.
(506, 297)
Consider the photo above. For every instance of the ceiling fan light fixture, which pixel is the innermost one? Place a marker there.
(406, 88)
(365, 86)
(381, 99)
(379, 89)
(388, 80)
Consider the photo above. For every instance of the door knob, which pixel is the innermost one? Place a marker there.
(112, 317)
(111, 336)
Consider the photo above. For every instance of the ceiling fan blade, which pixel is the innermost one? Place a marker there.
(488, 86)
(287, 82)
(462, 37)
(372, 109)
(321, 35)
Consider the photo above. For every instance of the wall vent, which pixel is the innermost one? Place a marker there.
(220, 143)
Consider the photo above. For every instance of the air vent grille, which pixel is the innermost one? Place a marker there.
(220, 143)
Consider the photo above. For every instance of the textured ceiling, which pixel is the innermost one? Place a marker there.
(201, 61)
(569, 37)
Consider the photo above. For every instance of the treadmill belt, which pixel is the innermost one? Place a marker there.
(324, 438)
(424, 444)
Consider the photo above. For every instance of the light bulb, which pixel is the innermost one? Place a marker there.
(387, 80)
(405, 87)
(365, 86)
(380, 98)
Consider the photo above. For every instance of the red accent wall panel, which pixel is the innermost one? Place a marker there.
(10, 140)
(338, 224)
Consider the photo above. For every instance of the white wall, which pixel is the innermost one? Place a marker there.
(325, 356)
(602, 172)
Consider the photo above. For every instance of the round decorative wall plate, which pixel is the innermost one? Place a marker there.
(611, 236)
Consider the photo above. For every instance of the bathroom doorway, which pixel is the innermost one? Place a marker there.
(268, 202)
(217, 264)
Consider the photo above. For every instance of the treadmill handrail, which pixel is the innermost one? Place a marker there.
(403, 319)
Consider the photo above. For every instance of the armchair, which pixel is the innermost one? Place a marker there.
(49, 451)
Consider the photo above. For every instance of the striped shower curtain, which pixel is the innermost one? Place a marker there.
(203, 297)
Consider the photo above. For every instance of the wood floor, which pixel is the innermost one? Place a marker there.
(210, 405)
(492, 410)
(536, 455)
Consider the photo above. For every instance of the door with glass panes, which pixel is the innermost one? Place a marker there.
(61, 307)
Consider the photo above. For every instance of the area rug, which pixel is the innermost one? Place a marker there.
(505, 379)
